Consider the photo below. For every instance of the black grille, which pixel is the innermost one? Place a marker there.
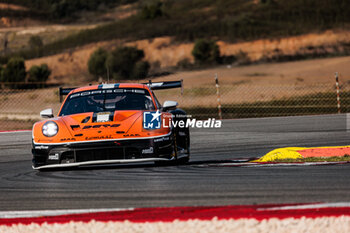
(99, 154)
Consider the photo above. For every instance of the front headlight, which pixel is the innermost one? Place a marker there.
(50, 129)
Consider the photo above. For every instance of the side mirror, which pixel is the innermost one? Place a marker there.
(47, 113)
(168, 104)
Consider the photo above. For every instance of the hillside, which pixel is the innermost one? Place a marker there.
(56, 10)
(163, 52)
(19, 22)
(230, 21)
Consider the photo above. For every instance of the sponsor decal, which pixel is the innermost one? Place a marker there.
(54, 157)
(41, 147)
(106, 90)
(99, 137)
(152, 120)
(131, 135)
(102, 117)
(67, 139)
(161, 139)
(148, 151)
(101, 126)
(182, 133)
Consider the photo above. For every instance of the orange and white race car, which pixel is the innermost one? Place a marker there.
(111, 123)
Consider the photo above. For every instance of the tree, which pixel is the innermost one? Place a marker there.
(1, 74)
(39, 73)
(61, 9)
(7, 39)
(35, 42)
(206, 52)
(97, 63)
(15, 70)
(140, 70)
(152, 11)
(123, 63)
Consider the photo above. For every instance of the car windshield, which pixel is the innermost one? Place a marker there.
(109, 100)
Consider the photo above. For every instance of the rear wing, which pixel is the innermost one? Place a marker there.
(165, 85)
(150, 84)
(65, 91)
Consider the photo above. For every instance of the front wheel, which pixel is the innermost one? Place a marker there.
(183, 160)
(176, 160)
(180, 161)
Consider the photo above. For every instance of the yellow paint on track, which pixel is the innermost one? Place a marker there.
(304, 152)
(281, 153)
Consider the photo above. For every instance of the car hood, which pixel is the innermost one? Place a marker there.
(88, 123)
(85, 128)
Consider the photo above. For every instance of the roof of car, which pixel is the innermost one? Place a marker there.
(111, 85)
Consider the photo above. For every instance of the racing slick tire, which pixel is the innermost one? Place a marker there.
(181, 140)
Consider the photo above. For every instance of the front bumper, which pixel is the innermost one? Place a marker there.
(102, 152)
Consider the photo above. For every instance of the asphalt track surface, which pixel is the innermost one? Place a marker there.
(194, 184)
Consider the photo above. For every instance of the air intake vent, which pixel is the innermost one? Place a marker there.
(75, 127)
(86, 119)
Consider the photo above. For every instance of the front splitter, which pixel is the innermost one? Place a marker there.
(98, 162)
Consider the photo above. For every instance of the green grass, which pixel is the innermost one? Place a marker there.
(345, 158)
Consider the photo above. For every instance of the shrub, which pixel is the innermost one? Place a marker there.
(123, 63)
(140, 70)
(206, 52)
(1, 73)
(61, 9)
(229, 20)
(152, 11)
(39, 73)
(242, 58)
(97, 63)
(184, 64)
(35, 42)
(228, 59)
(15, 70)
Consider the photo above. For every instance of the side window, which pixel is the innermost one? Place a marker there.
(157, 102)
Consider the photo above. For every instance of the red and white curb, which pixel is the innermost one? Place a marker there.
(318, 217)
(269, 164)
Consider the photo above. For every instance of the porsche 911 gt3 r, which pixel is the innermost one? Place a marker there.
(111, 123)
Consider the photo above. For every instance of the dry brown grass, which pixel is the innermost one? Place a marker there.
(15, 125)
(19, 34)
(257, 81)
(73, 64)
(14, 7)
(28, 103)
(299, 78)
(253, 83)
